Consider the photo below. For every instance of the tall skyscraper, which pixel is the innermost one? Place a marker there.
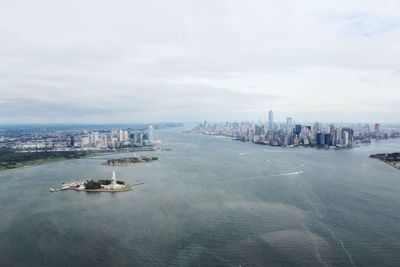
(72, 141)
(345, 138)
(289, 125)
(271, 120)
(317, 126)
(377, 129)
(332, 129)
(350, 136)
(298, 129)
(150, 135)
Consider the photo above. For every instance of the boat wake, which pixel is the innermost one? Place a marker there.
(264, 176)
(288, 173)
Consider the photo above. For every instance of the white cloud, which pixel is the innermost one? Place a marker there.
(188, 60)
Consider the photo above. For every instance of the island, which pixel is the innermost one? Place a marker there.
(91, 185)
(393, 159)
(128, 161)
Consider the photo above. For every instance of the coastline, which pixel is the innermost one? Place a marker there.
(31, 164)
(391, 159)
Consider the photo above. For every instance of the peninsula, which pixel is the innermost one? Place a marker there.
(393, 159)
(11, 159)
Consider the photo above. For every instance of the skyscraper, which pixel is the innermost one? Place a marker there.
(289, 125)
(298, 129)
(377, 129)
(150, 135)
(271, 120)
(72, 141)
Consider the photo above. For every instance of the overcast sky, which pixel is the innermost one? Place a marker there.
(151, 61)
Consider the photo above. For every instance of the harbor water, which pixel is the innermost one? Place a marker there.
(208, 201)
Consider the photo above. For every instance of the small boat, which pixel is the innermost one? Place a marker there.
(65, 187)
(52, 189)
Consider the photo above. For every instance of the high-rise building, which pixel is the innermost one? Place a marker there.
(297, 129)
(85, 141)
(320, 138)
(271, 121)
(126, 136)
(150, 134)
(350, 135)
(377, 129)
(317, 126)
(345, 138)
(289, 125)
(332, 129)
(135, 137)
(95, 137)
(338, 137)
(120, 135)
(72, 141)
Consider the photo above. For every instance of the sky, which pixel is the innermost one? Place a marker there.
(119, 61)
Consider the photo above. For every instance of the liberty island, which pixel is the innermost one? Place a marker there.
(97, 186)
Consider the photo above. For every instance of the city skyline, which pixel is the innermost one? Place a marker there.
(187, 61)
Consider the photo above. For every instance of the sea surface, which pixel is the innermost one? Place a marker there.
(209, 201)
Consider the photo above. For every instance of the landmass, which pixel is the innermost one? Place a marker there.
(91, 185)
(393, 159)
(128, 161)
(11, 159)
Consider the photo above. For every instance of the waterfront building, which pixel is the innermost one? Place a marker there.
(338, 137)
(329, 139)
(350, 135)
(345, 138)
(320, 138)
(150, 133)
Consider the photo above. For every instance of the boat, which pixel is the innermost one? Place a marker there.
(65, 187)
(52, 189)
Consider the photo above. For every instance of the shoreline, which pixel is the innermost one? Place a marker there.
(103, 190)
(89, 155)
(391, 159)
(32, 165)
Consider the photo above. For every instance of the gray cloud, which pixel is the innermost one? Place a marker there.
(94, 61)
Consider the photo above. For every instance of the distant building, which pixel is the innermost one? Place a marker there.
(72, 141)
(338, 137)
(317, 126)
(332, 129)
(297, 129)
(350, 136)
(271, 121)
(150, 133)
(320, 139)
(345, 138)
(85, 141)
(289, 125)
(377, 130)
